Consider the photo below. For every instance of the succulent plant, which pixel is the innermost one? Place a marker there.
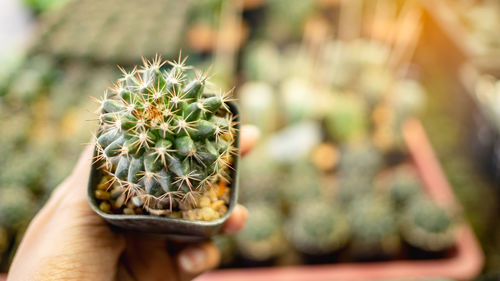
(374, 227)
(346, 121)
(359, 163)
(403, 186)
(302, 184)
(164, 139)
(352, 187)
(16, 206)
(427, 226)
(259, 178)
(360, 159)
(317, 228)
(262, 238)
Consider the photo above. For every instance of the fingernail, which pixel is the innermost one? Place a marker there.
(192, 260)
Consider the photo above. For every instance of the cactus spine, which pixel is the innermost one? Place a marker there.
(163, 139)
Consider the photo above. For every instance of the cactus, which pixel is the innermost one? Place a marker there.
(360, 159)
(358, 165)
(352, 187)
(374, 227)
(427, 226)
(346, 121)
(403, 186)
(262, 238)
(317, 228)
(260, 176)
(16, 206)
(164, 140)
(303, 183)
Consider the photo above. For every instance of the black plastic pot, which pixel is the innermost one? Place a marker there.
(175, 228)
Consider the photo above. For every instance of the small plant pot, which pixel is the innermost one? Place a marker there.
(175, 228)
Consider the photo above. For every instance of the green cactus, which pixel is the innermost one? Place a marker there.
(427, 226)
(259, 178)
(358, 165)
(403, 186)
(262, 238)
(346, 121)
(374, 227)
(303, 183)
(317, 228)
(16, 207)
(164, 138)
(360, 159)
(352, 187)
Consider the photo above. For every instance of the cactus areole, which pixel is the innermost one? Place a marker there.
(166, 150)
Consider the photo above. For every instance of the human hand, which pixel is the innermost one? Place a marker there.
(67, 241)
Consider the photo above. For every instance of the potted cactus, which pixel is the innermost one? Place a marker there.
(374, 228)
(403, 186)
(166, 152)
(427, 227)
(318, 229)
(262, 238)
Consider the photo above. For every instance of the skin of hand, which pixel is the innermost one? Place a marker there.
(67, 241)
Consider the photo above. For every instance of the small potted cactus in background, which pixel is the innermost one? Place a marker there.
(374, 228)
(427, 227)
(262, 239)
(318, 230)
(166, 152)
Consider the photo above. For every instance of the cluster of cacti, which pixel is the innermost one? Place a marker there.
(317, 228)
(427, 226)
(374, 227)
(97, 30)
(166, 142)
(262, 238)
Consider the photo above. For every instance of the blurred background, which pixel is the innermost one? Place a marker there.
(363, 106)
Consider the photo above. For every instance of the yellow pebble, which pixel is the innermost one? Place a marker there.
(105, 207)
(102, 195)
(188, 215)
(217, 204)
(213, 195)
(209, 214)
(204, 202)
(128, 211)
(222, 210)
